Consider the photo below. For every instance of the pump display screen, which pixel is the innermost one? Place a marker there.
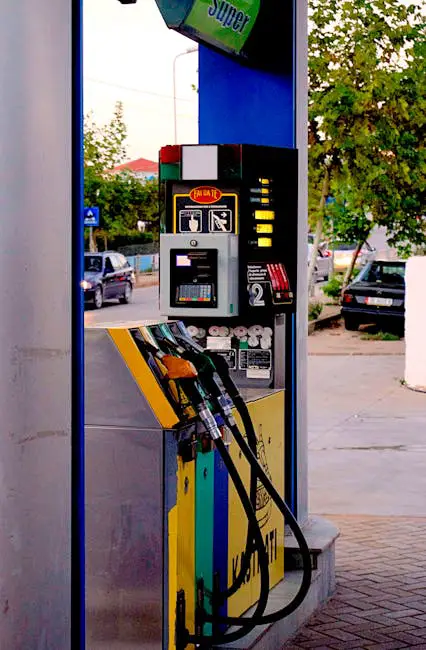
(193, 278)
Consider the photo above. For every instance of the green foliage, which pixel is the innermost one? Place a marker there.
(123, 200)
(314, 310)
(333, 288)
(380, 336)
(367, 112)
(104, 146)
(122, 242)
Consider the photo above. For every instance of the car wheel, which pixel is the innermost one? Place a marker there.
(351, 323)
(98, 298)
(127, 297)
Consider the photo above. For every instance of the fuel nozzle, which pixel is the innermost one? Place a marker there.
(184, 371)
(208, 364)
(178, 368)
(202, 366)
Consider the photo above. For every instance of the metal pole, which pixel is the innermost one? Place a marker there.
(92, 247)
(188, 51)
(174, 99)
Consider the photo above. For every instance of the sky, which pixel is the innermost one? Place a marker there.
(128, 57)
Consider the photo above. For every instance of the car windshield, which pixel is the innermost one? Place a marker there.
(93, 263)
(383, 273)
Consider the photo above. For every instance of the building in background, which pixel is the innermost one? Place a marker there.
(141, 168)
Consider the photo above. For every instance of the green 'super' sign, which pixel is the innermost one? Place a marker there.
(223, 23)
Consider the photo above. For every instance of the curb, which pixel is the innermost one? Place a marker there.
(325, 321)
(416, 389)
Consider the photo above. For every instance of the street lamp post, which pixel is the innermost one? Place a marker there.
(190, 50)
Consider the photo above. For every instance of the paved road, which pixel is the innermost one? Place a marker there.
(144, 306)
(378, 240)
(367, 447)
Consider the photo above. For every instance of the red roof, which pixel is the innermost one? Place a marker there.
(140, 165)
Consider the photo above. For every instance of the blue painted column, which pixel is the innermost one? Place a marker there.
(245, 106)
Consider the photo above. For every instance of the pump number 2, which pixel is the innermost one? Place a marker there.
(256, 295)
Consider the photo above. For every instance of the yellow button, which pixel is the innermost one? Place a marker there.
(264, 242)
(264, 228)
(264, 215)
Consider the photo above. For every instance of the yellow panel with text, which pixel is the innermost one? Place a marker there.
(185, 558)
(267, 414)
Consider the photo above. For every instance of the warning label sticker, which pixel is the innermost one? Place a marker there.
(251, 359)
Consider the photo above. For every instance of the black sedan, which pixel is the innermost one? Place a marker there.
(376, 296)
(107, 275)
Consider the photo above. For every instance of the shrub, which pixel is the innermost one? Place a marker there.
(314, 310)
(333, 288)
(380, 336)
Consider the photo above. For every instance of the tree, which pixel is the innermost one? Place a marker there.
(367, 119)
(122, 198)
(123, 201)
(104, 147)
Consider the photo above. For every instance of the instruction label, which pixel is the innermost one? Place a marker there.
(268, 284)
(190, 220)
(192, 216)
(255, 359)
(230, 356)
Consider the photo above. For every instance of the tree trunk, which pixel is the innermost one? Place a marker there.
(318, 229)
(351, 266)
(105, 242)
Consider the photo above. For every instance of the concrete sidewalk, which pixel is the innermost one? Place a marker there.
(337, 341)
(367, 468)
(380, 601)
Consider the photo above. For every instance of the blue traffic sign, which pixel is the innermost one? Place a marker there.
(91, 217)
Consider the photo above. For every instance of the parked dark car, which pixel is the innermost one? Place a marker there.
(376, 296)
(107, 275)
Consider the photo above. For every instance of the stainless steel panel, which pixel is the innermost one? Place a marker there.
(227, 274)
(112, 397)
(124, 538)
(35, 324)
(279, 350)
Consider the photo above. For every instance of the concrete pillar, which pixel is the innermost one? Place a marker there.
(301, 143)
(415, 318)
(35, 324)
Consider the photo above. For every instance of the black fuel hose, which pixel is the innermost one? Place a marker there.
(222, 369)
(295, 528)
(223, 372)
(246, 625)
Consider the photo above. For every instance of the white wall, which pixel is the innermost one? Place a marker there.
(415, 321)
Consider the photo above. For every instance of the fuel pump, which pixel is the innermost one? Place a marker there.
(228, 253)
(197, 373)
(209, 367)
(200, 539)
(228, 270)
